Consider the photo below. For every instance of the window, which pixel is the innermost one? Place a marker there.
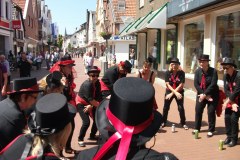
(6, 10)
(193, 44)
(29, 20)
(227, 39)
(141, 3)
(32, 23)
(121, 5)
(171, 45)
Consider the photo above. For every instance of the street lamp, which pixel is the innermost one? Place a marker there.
(49, 44)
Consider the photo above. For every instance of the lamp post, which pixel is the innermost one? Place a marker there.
(49, 44)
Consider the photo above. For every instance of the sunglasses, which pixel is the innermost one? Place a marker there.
(226, 68)
(94, 75)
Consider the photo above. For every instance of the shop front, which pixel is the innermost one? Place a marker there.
(212, 27)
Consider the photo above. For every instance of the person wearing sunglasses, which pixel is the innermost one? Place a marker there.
(12, 109)
(205, 82)
(112, 75)
(232, 103)
(87, 100)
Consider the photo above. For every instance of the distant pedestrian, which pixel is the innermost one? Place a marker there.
(205, 82)
(12, 118)
(132, 56)
(174, 79)
(88, 99)
(231, 105)
(112, 74)
(48, 59)
(24, 65)
(5, 74)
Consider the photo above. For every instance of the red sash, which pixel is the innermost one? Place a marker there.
(81, 101)
(203, 82)
(104, 87)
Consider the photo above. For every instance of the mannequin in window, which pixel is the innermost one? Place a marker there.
(194, 60)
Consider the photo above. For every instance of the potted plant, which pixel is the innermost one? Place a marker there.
(105, 35)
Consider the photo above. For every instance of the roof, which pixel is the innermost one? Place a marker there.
(130, 10)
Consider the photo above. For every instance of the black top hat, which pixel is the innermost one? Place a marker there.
(54, 79)
(229, 61)
(25, 85)
(132, 104)
(174, 60)
(94, 69)
(127, 66)
(52, 114)
(204, 57)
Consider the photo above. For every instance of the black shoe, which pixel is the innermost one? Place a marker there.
(232, 143)
(227, 141)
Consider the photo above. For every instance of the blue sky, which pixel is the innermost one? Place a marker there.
(70, 13)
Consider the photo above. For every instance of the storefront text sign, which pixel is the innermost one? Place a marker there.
(16, 24)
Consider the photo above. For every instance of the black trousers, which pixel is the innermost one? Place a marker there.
(68, 144)
(231, 123)
(86, 122)
(181, 110)
(211, 107)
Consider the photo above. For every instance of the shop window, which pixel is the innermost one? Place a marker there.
(193, 45)
(121, 5)
(171, 48)
(227, 39)
(6, 10)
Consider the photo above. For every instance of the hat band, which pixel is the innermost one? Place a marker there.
(33, 88)
(66, 62)
(124, 132)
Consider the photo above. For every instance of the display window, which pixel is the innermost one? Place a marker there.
(193, 45)
(227, 39)
(171, 45)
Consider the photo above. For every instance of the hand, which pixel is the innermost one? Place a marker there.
(178, 95)
(169, 96)
(4, 92)
(235, 107)
(209, 98)
(87, 109)
(201, 97)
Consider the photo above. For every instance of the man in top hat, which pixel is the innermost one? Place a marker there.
(174, 79)
(88, 99)
(12, 118)
(205, 82)
(24, 65)
(48, 131)
(112, 75)
(231, 105)
(127, 121)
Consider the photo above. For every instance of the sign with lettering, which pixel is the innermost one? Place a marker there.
(177, 7)
(16, 24)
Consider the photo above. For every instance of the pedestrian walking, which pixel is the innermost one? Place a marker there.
(205, 82)
(112, 75)
(48, 59)
(38, 60)
(12, 119)
(232, 103)
(88, 99)
(24, 65)
(49, 128)
(127, 121)
(174, 79)
(85, 62)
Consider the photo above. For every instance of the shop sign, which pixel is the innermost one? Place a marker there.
(16, 24)
(177, 7)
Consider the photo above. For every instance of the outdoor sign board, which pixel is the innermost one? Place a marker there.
(177, 7)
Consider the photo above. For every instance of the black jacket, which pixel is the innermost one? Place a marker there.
(12, 122)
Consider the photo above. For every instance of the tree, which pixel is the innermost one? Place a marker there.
(60, 41)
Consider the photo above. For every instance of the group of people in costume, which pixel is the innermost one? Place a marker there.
(125, 116)
(208, 94)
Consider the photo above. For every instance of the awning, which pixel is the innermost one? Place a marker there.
(154, 20)
(131, 27)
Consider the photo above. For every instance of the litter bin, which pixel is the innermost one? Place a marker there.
(104, 66)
